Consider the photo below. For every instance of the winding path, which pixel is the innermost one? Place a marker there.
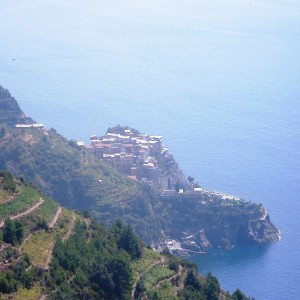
(157, 262)
(25, 213)
(54, 219)
(70, 228)
(176, 275)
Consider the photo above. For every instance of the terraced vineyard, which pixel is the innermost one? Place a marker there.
(27, 197)
(155, 275)
(49, 222)
(39, 245)
(49, 252)
(38, 239)
(48, 209)
(39, 248)
(149, 257)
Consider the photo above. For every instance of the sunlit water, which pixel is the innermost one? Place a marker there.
(219, 80)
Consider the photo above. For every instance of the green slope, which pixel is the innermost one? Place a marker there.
(77, 179)
(54, 253)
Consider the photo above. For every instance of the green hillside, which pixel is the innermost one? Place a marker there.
(77, 179)
(12, 113)
(49, 252)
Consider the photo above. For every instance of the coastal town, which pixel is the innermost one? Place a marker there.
(145, 158)
(141, 157)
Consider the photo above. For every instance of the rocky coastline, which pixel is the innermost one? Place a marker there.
(240, 222)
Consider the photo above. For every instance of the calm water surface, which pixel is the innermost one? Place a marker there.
(219, 79)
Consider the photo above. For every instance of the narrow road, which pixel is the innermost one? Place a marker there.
(54, 219)
(25, 213)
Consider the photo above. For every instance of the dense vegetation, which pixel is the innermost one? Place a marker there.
(74, 257)
(121, 129)
(12, 113)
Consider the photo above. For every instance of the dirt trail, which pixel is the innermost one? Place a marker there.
(54, 219)
(27, 238)
(25, 213)
(70, 228)
(157, 262)
(49, 257)
(50, 250)
(173, 278)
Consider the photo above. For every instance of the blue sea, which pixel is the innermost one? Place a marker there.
(220, 80)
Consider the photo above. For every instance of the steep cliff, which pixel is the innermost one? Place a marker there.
(207, 220)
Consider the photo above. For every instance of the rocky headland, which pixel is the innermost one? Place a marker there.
(136, 180)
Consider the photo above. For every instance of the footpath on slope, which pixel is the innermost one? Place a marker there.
(172, 278)
(71, 227)
(25, 213)
(50, 225)
(55, 217)
(69, 232)
(161, 261)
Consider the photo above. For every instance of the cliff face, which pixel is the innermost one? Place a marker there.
(204, 221)
(262, 230)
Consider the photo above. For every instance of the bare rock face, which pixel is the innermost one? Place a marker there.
(262, 230)
(220, 223)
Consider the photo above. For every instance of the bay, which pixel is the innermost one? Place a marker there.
(219, 80)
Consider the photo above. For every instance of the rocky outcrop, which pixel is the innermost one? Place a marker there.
(197, 224)
(262, 230)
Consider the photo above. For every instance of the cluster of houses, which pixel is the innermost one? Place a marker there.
(134, 154)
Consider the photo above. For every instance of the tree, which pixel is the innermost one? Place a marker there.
(173, 263)
(140, 288)
(238, 295)
(189, 293)
(19, 230)
(4, 285)
(192, 280)
(119, 267)
(8, 231)
(130, 243)
(212, 287)
(13, 231)
(101, 280)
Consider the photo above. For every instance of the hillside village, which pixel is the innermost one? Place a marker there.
(141, 157)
